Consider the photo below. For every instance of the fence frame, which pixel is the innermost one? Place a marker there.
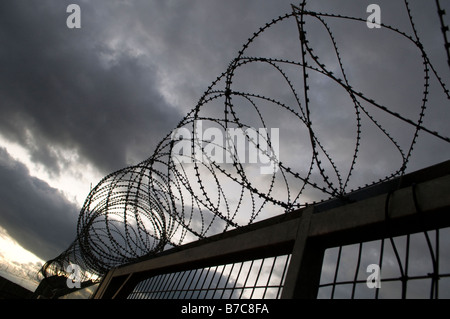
(415, 202)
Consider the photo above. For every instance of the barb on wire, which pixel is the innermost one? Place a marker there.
(444, 29)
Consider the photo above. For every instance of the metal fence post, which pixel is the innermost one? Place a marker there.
(302, 279)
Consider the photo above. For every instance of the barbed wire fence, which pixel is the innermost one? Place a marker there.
(170, 198)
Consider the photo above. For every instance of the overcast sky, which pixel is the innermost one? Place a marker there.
(77, 104)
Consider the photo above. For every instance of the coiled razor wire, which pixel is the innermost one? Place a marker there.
(172, 198)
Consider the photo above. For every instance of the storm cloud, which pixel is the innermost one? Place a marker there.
(39, 217)
(66, 88)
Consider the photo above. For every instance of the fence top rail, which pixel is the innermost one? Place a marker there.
(289, 233)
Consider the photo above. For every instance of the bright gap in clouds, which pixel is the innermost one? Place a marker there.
(75, 181)
(18, 264)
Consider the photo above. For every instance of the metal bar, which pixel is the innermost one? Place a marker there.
(358, 264)
(336, 270)
(263, 239)
(237, 279)
(432, 195)
(121, 286)
(270, 276)
(303, 276)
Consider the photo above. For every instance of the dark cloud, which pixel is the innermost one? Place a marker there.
(102, 90)
(39, 217)
(58, 91)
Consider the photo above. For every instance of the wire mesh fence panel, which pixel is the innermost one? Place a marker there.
(412, 266)
(253, 279)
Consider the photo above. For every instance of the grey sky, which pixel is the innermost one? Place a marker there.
(110, 91)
